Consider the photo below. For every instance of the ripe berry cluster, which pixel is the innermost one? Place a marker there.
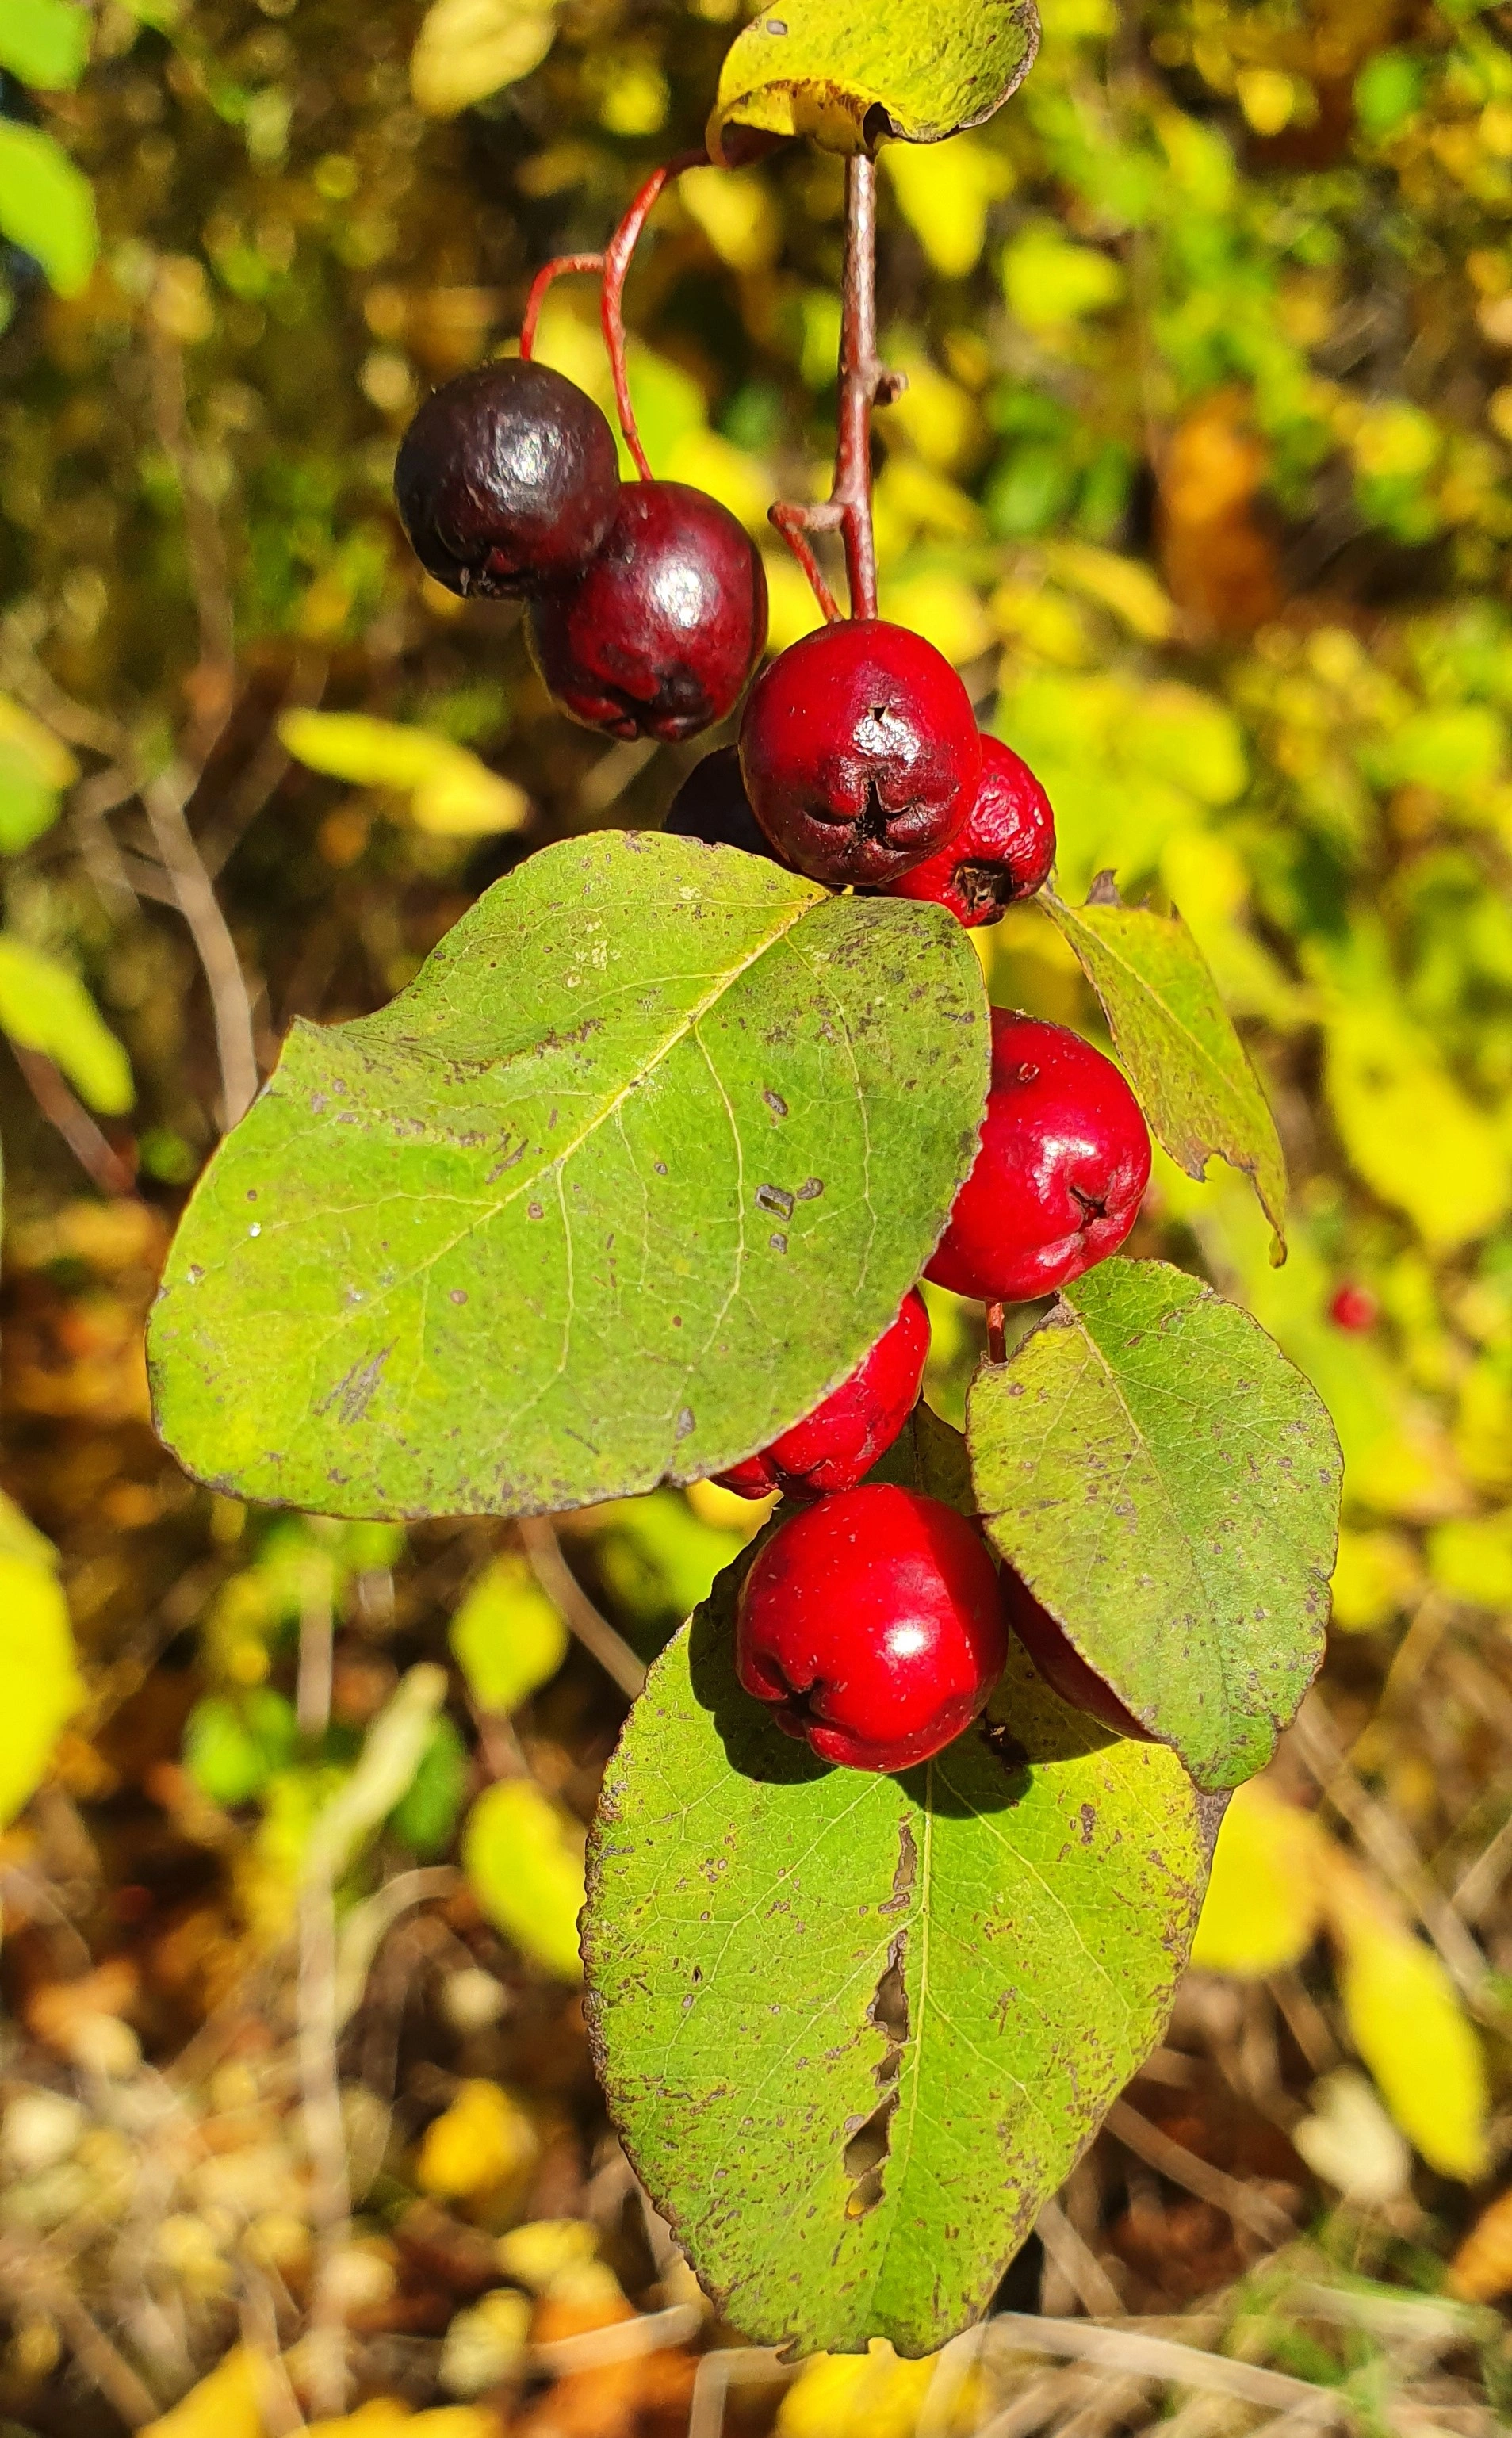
(873, 1620)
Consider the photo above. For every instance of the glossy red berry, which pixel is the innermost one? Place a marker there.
(860, 752)
(507, 480)
(1061, 1665)
(839, 1443)
(659, 633)
(1058, 1178)
(872, 1624)
(1003, 850)
(712, 805)
(1354, 1308)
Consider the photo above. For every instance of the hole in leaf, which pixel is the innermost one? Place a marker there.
(866, 2153)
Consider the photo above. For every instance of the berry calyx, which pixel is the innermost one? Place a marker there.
(507, 480)
(1064, 1164)
(1354, 1308)
(832, 1448)
(860, 752)
(872, 1623)
(1003, 850)
(659, 633)
(712, 805)
(1061, 1665)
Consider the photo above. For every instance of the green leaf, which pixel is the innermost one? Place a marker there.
(1188, 1066)
(922, 69)
(507, 1638)
(425, 1817)
(42, 1687)
(854, 2029)
(34, 767)
(1167, 1485)
(629, 1177)
(450, 792)
(45, 1006)
(45, 42)
(524, 1859)
(48, 206)
(233, 1746)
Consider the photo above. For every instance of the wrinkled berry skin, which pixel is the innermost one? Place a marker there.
(712, 805)
(872, 1622)
(659, 633)
(1063, 1167)
(840, 1441)
(507, 480)
(1003, 850)
(860, 752)
(1063, 1666)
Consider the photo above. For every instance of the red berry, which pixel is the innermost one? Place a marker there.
(833, 1447)
(1003, 850)
(507, 480)
(860, 752)
(1057, 1182)
(1061, 1665)
(1354, 1308)
(872, 1624)
(712, 805)
(659, 633)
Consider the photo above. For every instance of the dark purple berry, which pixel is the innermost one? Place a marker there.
(507, 480)
(659, 633)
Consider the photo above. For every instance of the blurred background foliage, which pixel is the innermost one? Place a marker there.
(1203, 477)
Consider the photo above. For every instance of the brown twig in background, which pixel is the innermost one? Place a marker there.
(318, 2026)
(211, 684)
(102, 1163)
(1182, 2166)
(1129, 2352)
(165, 798)
(561, 1586)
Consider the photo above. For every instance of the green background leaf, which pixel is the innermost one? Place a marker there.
(785, 1961)
(45, 1006)
(524, 1856)
(1188, 1066)
(1167, 1485)
(926, 68)
(48, 206)
(45, 42)
(630, 1176)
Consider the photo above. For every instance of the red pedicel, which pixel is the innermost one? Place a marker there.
(832, 1448)
(1003, 850)
(860, 752)
(1063, 1167)
(872, 1623)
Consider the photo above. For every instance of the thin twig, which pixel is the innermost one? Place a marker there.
(1130, 2353)
(559, 1584)
(717, 2373)
(102, 1163)
(1182, 2166)
(1077, 2263)
(623, 2340)
(210, 685)
(31, 2278)
(165, 798)
(325, 2133)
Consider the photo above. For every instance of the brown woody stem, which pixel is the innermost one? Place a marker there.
(865, 384)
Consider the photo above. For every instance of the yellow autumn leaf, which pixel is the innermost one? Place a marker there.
(384, 2416)
(1409, 2027)
(736, 213)
(484, 2140)
(1375, 1575)
(1471, 1558)
(225, 2404)
(506, 1636)
(451, 793)
(1265, 1899)
(470, 48)
(525, 1858)
(1411, 1132)
(1126, 586)
(946, 609)
(872, 2396)
(41, 1681)
(944, 192)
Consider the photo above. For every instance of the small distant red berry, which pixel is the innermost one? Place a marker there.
(860, 752)
(1064, 1164)
(1354, 1308)
(1061, 1665)
(841, 1439)
(872, 1623)
(1002, 852)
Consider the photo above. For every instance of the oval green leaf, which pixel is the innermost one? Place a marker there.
(1188, 1066)
(635, 1170)
(48, 206)
(45, 42)
(856, 2030)
(847, 76)
(1167, 1485)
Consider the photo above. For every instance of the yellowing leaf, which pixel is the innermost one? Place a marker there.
(1409, 1132)
(946, 609)
(1264, 1901)
(1409, 2028)
(944, 192)
(1126, 586)
(1482, 2268)
(938, 416)
(45, 1006)
(42, 1683)
(1375, 1575)
(227, 2404)
(48, 206)
(48, 755)
(736, 214)
(737, 480)
(791, 608)
(846, 77)
(507, 1638)
(540, 2254)
(1175, 733)
(483, 2140)
(451, 793)
(1471, 1558)
(470, 48)
(525, 1858)
(1048, 281)
(870, 2395)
